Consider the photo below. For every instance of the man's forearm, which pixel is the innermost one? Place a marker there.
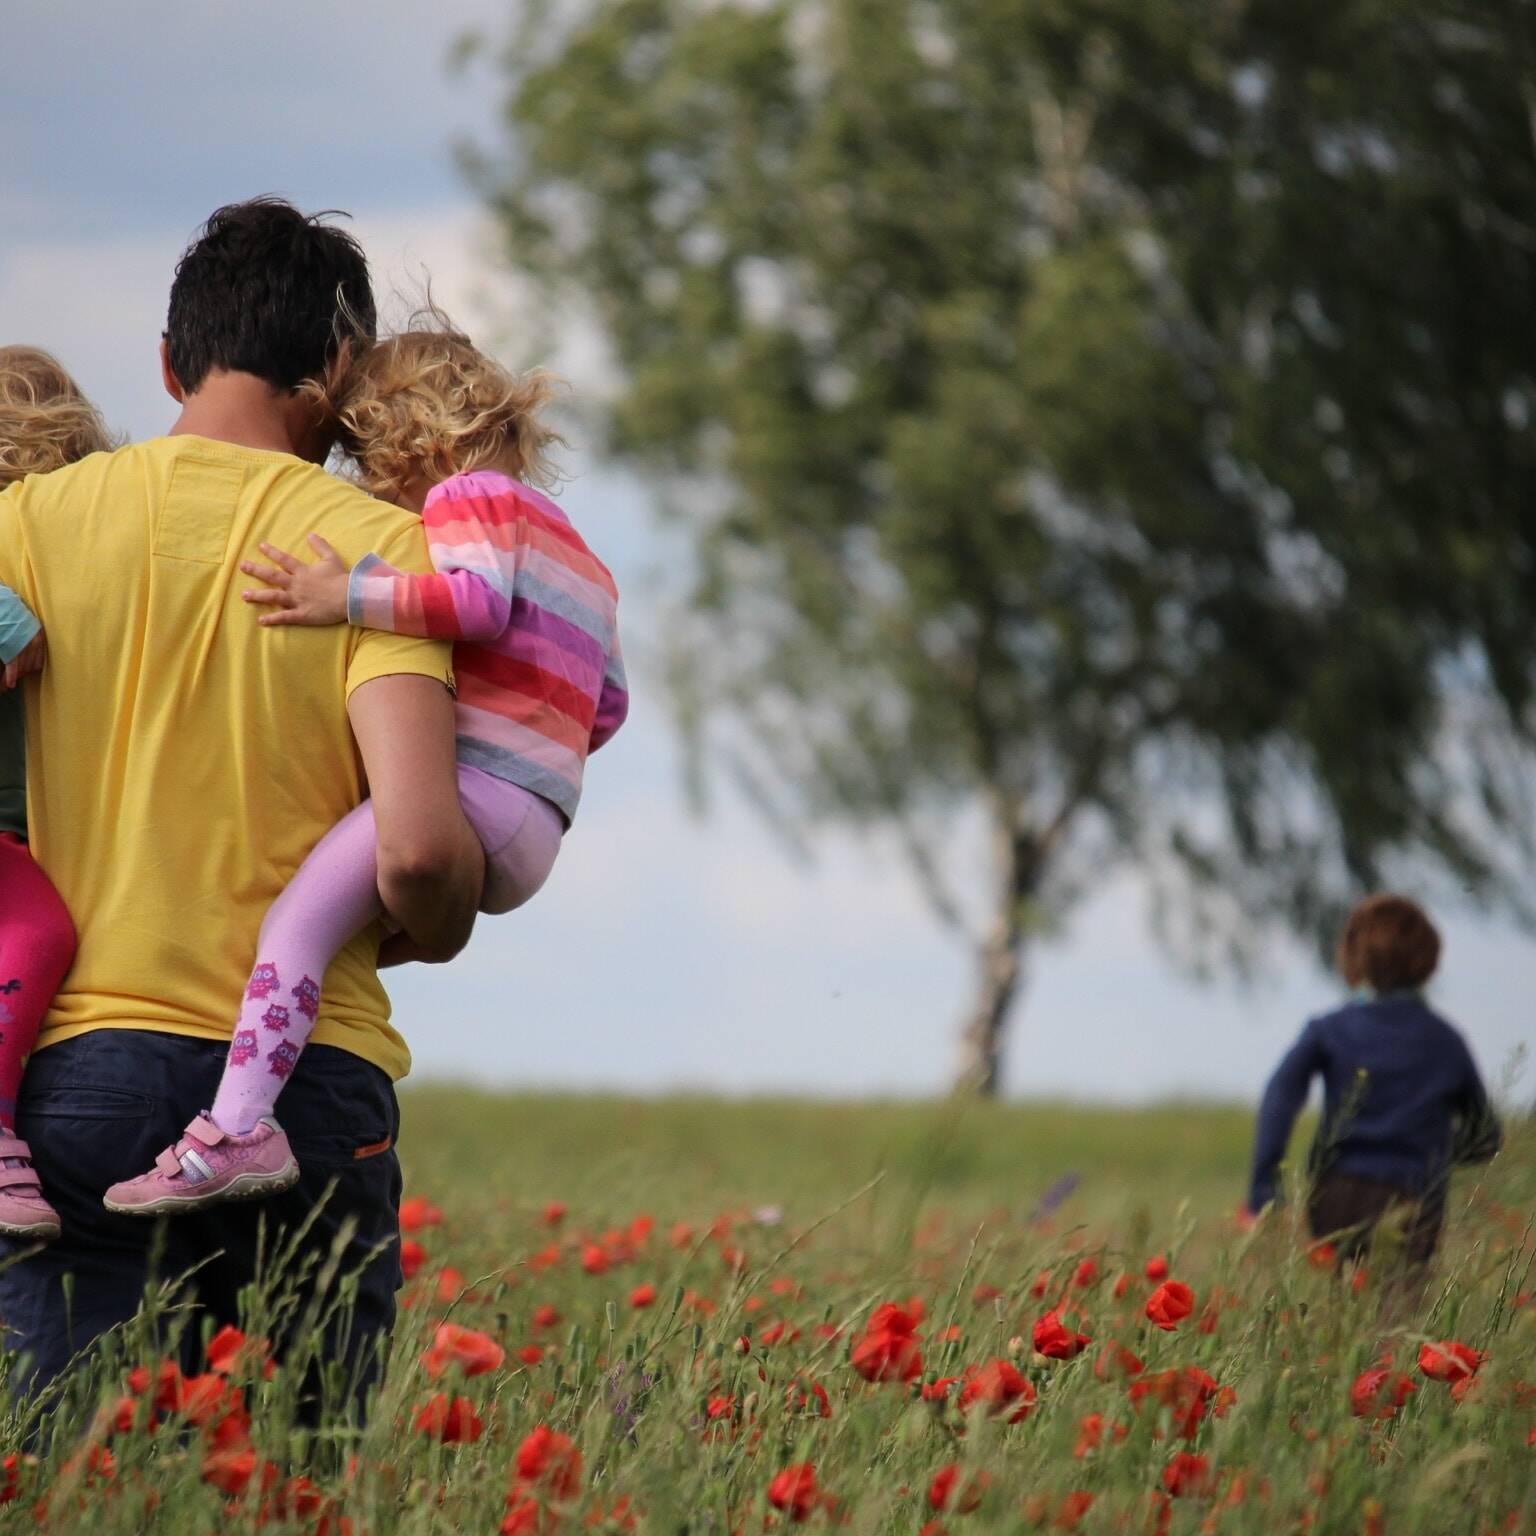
(434, 894)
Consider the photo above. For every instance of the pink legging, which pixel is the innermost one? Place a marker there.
(333, 896)
(37, 944)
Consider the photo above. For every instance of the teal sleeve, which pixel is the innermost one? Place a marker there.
(18, 625)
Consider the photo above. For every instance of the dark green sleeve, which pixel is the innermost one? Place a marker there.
(13, 765)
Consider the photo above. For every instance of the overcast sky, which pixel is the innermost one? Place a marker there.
(664, 952)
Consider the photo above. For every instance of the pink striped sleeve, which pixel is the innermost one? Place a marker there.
(453, 605)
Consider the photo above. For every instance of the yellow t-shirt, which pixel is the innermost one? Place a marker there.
(184, 760)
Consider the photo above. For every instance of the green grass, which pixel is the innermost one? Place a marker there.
(808, 1216)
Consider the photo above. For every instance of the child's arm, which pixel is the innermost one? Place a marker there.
(1478, 1135)
(22, 647)
(613, 702)
(467, 600)
(1282, 1101)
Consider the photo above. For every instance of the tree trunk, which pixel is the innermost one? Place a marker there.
(999, 961)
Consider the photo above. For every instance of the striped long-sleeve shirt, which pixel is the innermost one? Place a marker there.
(534, 611)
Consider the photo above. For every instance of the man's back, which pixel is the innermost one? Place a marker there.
(185, 760)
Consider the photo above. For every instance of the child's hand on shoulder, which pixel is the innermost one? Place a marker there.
(299, 593)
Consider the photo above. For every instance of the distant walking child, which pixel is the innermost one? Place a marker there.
(1402, 1099)
(438, 427)
(45, 423)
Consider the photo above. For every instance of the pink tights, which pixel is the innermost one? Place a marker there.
(333, 896)
(37, 943)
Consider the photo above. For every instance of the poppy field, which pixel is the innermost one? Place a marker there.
(725, 1318)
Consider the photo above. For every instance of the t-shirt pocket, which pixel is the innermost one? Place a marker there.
(198, 511)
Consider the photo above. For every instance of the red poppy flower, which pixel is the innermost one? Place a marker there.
(1449, 1361)
(1054, 1340)
(412, 1257)
(800, 1396)
(205, 1398)
(795, 1490)
(551, 1462)
(889, 1349)
(230, 1471)
(1322, 1255)
(524, 1517)
(947, 1491)
(642, 1295)
(938, 1391)
(1379, 1393)
(1086, 1273)
(1156, 1268)
(531, 1354)
(229, 1349)
(1187, 1394)
(1170, 1304)
(1117, 1360)
(984, 1293)
(419, 1212)
(1187, 1475)
(1073, 1507)
(451, 1420)
(554, 1213)
(999, 1386)
(470, 1351)
(545, 1316)
(594, 1259)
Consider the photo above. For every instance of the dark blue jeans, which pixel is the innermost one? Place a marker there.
(98, 1108)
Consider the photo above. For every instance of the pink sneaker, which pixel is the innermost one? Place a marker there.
(23, 1211)
(206, 1167)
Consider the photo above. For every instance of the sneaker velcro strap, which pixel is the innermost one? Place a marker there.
(13, 1146)
(20, 1181)
(168, 1163)
(205, 1131)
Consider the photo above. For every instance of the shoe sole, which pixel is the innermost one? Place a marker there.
(244, 1186)
(38, 1234)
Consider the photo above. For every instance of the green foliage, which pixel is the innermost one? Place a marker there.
(781, 1227)
(1115, 414)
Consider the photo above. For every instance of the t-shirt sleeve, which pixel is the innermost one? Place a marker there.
(377, 653)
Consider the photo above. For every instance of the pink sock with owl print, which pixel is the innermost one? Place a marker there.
(332, 897)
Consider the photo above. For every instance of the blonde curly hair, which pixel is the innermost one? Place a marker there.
(427, 403)
(45, 420)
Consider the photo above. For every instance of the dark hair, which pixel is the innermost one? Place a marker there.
(265, 289)
(1389, 944)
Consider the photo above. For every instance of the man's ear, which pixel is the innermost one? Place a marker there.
(168, 374)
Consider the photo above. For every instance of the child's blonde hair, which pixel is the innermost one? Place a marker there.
(427, 404)
(45, 420)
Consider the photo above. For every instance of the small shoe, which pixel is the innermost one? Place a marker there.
(24, 1213)
(207, 1167)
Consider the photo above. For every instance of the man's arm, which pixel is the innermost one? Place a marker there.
(431, 865)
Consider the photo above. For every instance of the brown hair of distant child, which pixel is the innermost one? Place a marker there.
(1388, 944)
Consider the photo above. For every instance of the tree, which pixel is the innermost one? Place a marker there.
(1110, 415)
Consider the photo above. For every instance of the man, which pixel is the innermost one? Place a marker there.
(183, 762)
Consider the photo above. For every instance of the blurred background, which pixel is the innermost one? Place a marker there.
(1069, 471)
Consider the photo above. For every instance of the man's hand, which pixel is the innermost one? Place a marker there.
(298, 593)
(29, 659)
